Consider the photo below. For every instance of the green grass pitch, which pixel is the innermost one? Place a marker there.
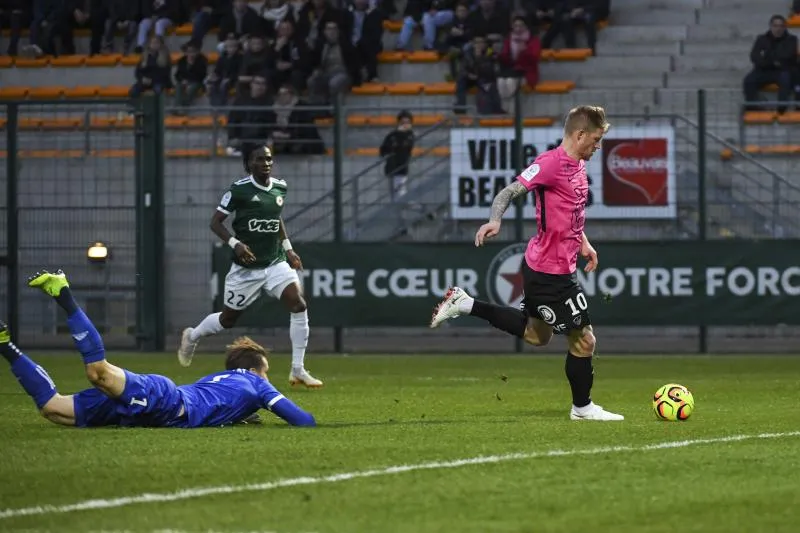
(377, 412)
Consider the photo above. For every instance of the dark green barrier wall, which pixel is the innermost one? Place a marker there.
(668, 283)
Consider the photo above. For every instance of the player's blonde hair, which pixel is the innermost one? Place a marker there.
(586, 118)
(245, 353)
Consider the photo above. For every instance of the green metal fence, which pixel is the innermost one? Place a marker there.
(146, 181)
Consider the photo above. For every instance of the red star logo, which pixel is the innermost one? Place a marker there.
(517, 284)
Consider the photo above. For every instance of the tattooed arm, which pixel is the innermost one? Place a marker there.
(504, 199)
(499, 206)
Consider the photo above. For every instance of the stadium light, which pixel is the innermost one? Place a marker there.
(97, 253)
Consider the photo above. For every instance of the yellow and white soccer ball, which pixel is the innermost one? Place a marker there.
(673, 402)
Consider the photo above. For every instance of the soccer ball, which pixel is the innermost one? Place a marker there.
(673, 402)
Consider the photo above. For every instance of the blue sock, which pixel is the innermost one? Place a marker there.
(9, 351)
(34, 380)
(86, 338)
(67, 302)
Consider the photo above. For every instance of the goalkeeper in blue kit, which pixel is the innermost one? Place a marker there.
(123, 398)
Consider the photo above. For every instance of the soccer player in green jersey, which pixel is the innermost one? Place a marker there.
(263, 260)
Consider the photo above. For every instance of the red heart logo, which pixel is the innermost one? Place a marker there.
(635, 172)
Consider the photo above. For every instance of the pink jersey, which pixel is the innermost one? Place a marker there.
(561, 188)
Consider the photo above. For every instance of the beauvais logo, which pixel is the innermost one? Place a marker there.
(635, 172)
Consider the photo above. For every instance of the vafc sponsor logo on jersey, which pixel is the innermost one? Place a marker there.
(505, 284)
(635, 172)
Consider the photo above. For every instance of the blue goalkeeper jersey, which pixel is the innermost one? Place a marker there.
(228, 397)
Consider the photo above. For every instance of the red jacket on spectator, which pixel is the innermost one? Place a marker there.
(525, 57)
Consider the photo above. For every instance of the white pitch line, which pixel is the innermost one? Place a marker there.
(186, 494)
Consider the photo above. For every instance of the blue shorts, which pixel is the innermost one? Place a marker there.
(95, 409)
(150, 400)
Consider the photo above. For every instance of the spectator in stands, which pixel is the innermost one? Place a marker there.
(273, 12)
(206, 14)
(157, 14)
(774, 58)
(225, 75)
(396, 149)
(479, 69)
(256, 61)
(240, 20)
(291, 58)
(314, 18)
(796, 7)
(16, 13)
(122, 15)
(519, 60)
(335, 65)
(569, 14)
(250, 119)
(491, 21)
(190, 73)
(540, 12)
(432, 14)
(294, 131)
(153, 71)
(367, 35)
(52, 19)
(458, 35)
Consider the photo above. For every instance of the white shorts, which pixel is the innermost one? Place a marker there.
(243, 285)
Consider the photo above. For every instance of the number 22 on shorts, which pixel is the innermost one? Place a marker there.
(231, 296)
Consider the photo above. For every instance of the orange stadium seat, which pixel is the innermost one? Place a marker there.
(790, 117)
(130, 61)
(184, 30)
(25, 62)
(46, 93)
(392, 57)
(794, 21)
(407, 88)
(508, 122)
(759, 117)
(424, 56)
(439, 88)
(575, 54)
(114, 91)
(110, 60)
(6, 61)
(68, 61)
(88, 91)
(392, 25)
(373, 89)
(554, 87)
(13, 93)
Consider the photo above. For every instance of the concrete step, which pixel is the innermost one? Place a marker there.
(701, 80)
(655, 17)
(771, 6)
(713, 48)
(722, 32)
(626, 5)
(755, 13)
(616, 49)
(643, 34)
(643, 81)
(739, 63)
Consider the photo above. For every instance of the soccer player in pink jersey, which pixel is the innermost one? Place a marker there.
(554, 301)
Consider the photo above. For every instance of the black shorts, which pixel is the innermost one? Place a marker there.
(556, 299)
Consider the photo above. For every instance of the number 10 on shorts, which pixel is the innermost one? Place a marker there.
(579, 304)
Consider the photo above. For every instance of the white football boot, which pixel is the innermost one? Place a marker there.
(186, 349)
(449, 307)
(302, 377)
(593, 412)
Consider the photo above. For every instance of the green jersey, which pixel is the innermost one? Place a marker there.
(257, 221)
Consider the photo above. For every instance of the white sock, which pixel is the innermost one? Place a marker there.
(465, 305)
(585, 409)
(209, 326)
(298, 333)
